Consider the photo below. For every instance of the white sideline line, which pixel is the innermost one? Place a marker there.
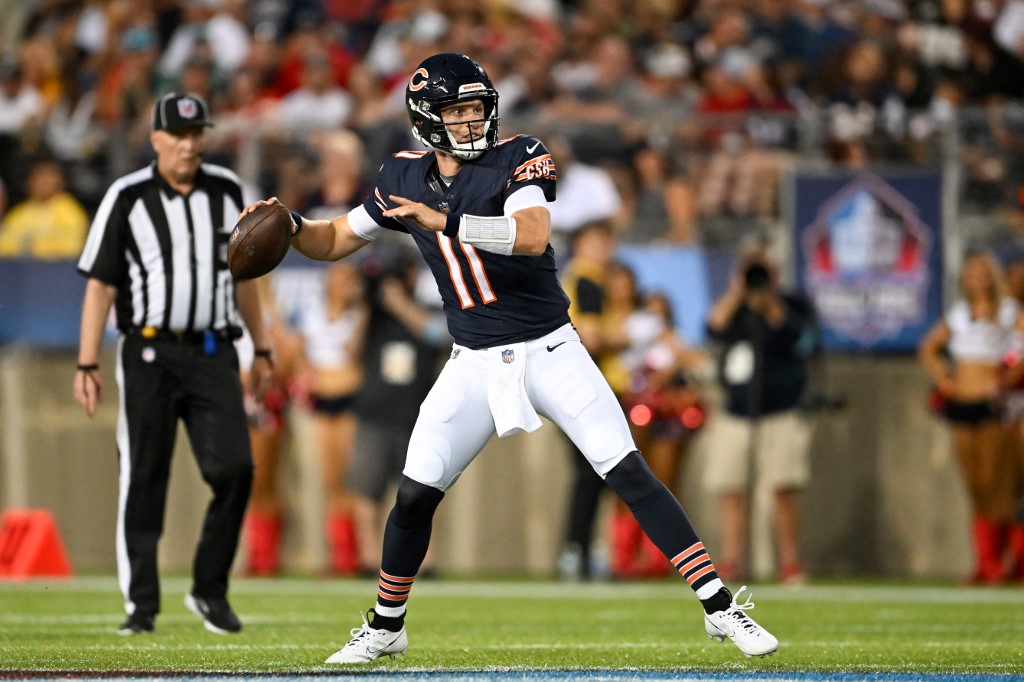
(482, 589)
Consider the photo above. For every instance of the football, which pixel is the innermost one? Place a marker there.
(259, 241)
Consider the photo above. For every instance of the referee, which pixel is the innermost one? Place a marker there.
(157, 250)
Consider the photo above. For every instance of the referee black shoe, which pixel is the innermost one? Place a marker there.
(216, 614)
(138, 623)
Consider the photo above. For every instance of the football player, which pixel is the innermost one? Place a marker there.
(475, 205)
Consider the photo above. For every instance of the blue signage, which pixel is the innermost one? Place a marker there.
(868, 253)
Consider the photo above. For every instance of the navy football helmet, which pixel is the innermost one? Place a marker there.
(439, 82)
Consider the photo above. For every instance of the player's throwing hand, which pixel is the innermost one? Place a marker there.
(425, 217)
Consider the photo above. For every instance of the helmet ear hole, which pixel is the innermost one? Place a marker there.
(443, 80)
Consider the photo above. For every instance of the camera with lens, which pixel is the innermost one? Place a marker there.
(756, 276)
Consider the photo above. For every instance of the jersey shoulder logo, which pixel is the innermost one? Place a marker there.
(541, 167)
(532, 147)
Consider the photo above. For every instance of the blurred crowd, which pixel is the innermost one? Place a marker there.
(682, 114)
(669, 120)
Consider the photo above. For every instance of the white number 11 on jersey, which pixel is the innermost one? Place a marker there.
(458, 280)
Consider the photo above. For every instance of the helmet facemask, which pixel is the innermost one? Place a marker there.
(432, 131)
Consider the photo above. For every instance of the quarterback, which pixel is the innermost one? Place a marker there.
(476, 207)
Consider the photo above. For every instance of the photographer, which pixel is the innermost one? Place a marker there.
(402, 350)
(767, 340)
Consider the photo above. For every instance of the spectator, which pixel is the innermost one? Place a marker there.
(401, 359)
(73, 136)
(40, 67)
(268, 430)
(665, 405)
(294, 170)
(767, 337)
(21, 104)
(212, 28)
(1015, 410)
(313, 36)
(583, 276)
(245, 115)
(601, 99)
(630, 332)
(127, 84)
(666, 383)
(200, 75)
(264, 60)
(976, 333)
(332, 329)
(737, 170)
(664, 205)
(671, 92)
(341, 182)
(50, 223)
(586, 194)
(371, 119)
(319, 103)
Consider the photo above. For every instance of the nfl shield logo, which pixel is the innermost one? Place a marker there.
(187, 108)
(508, 356)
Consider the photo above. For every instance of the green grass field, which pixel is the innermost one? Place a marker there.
(292, 625)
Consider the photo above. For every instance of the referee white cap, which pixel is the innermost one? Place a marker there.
(175, 112)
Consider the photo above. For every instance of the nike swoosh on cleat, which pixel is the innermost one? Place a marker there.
(530, 149)
(551, 348)
(373, 650)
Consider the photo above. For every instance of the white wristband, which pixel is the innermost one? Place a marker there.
(496, 234)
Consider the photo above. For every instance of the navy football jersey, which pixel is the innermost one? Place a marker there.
(489, 299)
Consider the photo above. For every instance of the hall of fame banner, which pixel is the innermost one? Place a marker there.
(868, 254)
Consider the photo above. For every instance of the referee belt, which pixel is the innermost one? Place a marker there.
(186, 338)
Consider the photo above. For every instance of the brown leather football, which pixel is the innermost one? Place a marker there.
(259, 241)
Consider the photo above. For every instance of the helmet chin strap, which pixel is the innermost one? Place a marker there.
(465, 150)
(468, 151)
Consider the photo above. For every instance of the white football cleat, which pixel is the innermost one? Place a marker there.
(734, 623)
(368, 643)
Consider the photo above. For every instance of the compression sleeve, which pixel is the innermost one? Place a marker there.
(362, 224)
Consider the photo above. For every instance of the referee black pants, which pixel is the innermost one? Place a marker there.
(162, 381)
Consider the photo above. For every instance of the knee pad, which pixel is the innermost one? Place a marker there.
(633, 480)
(415, 504)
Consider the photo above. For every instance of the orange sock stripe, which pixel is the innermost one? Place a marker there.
(395, 579)
(696, 562)
(704, 571)
(395, 585)
(682, 556)
(391, 597)
(394, 588)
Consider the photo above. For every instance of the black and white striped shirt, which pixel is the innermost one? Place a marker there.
(166, 252)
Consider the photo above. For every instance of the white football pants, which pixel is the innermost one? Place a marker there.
(562, 383)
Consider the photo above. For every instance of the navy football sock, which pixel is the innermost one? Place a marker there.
(662, 519)
(406, 538)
